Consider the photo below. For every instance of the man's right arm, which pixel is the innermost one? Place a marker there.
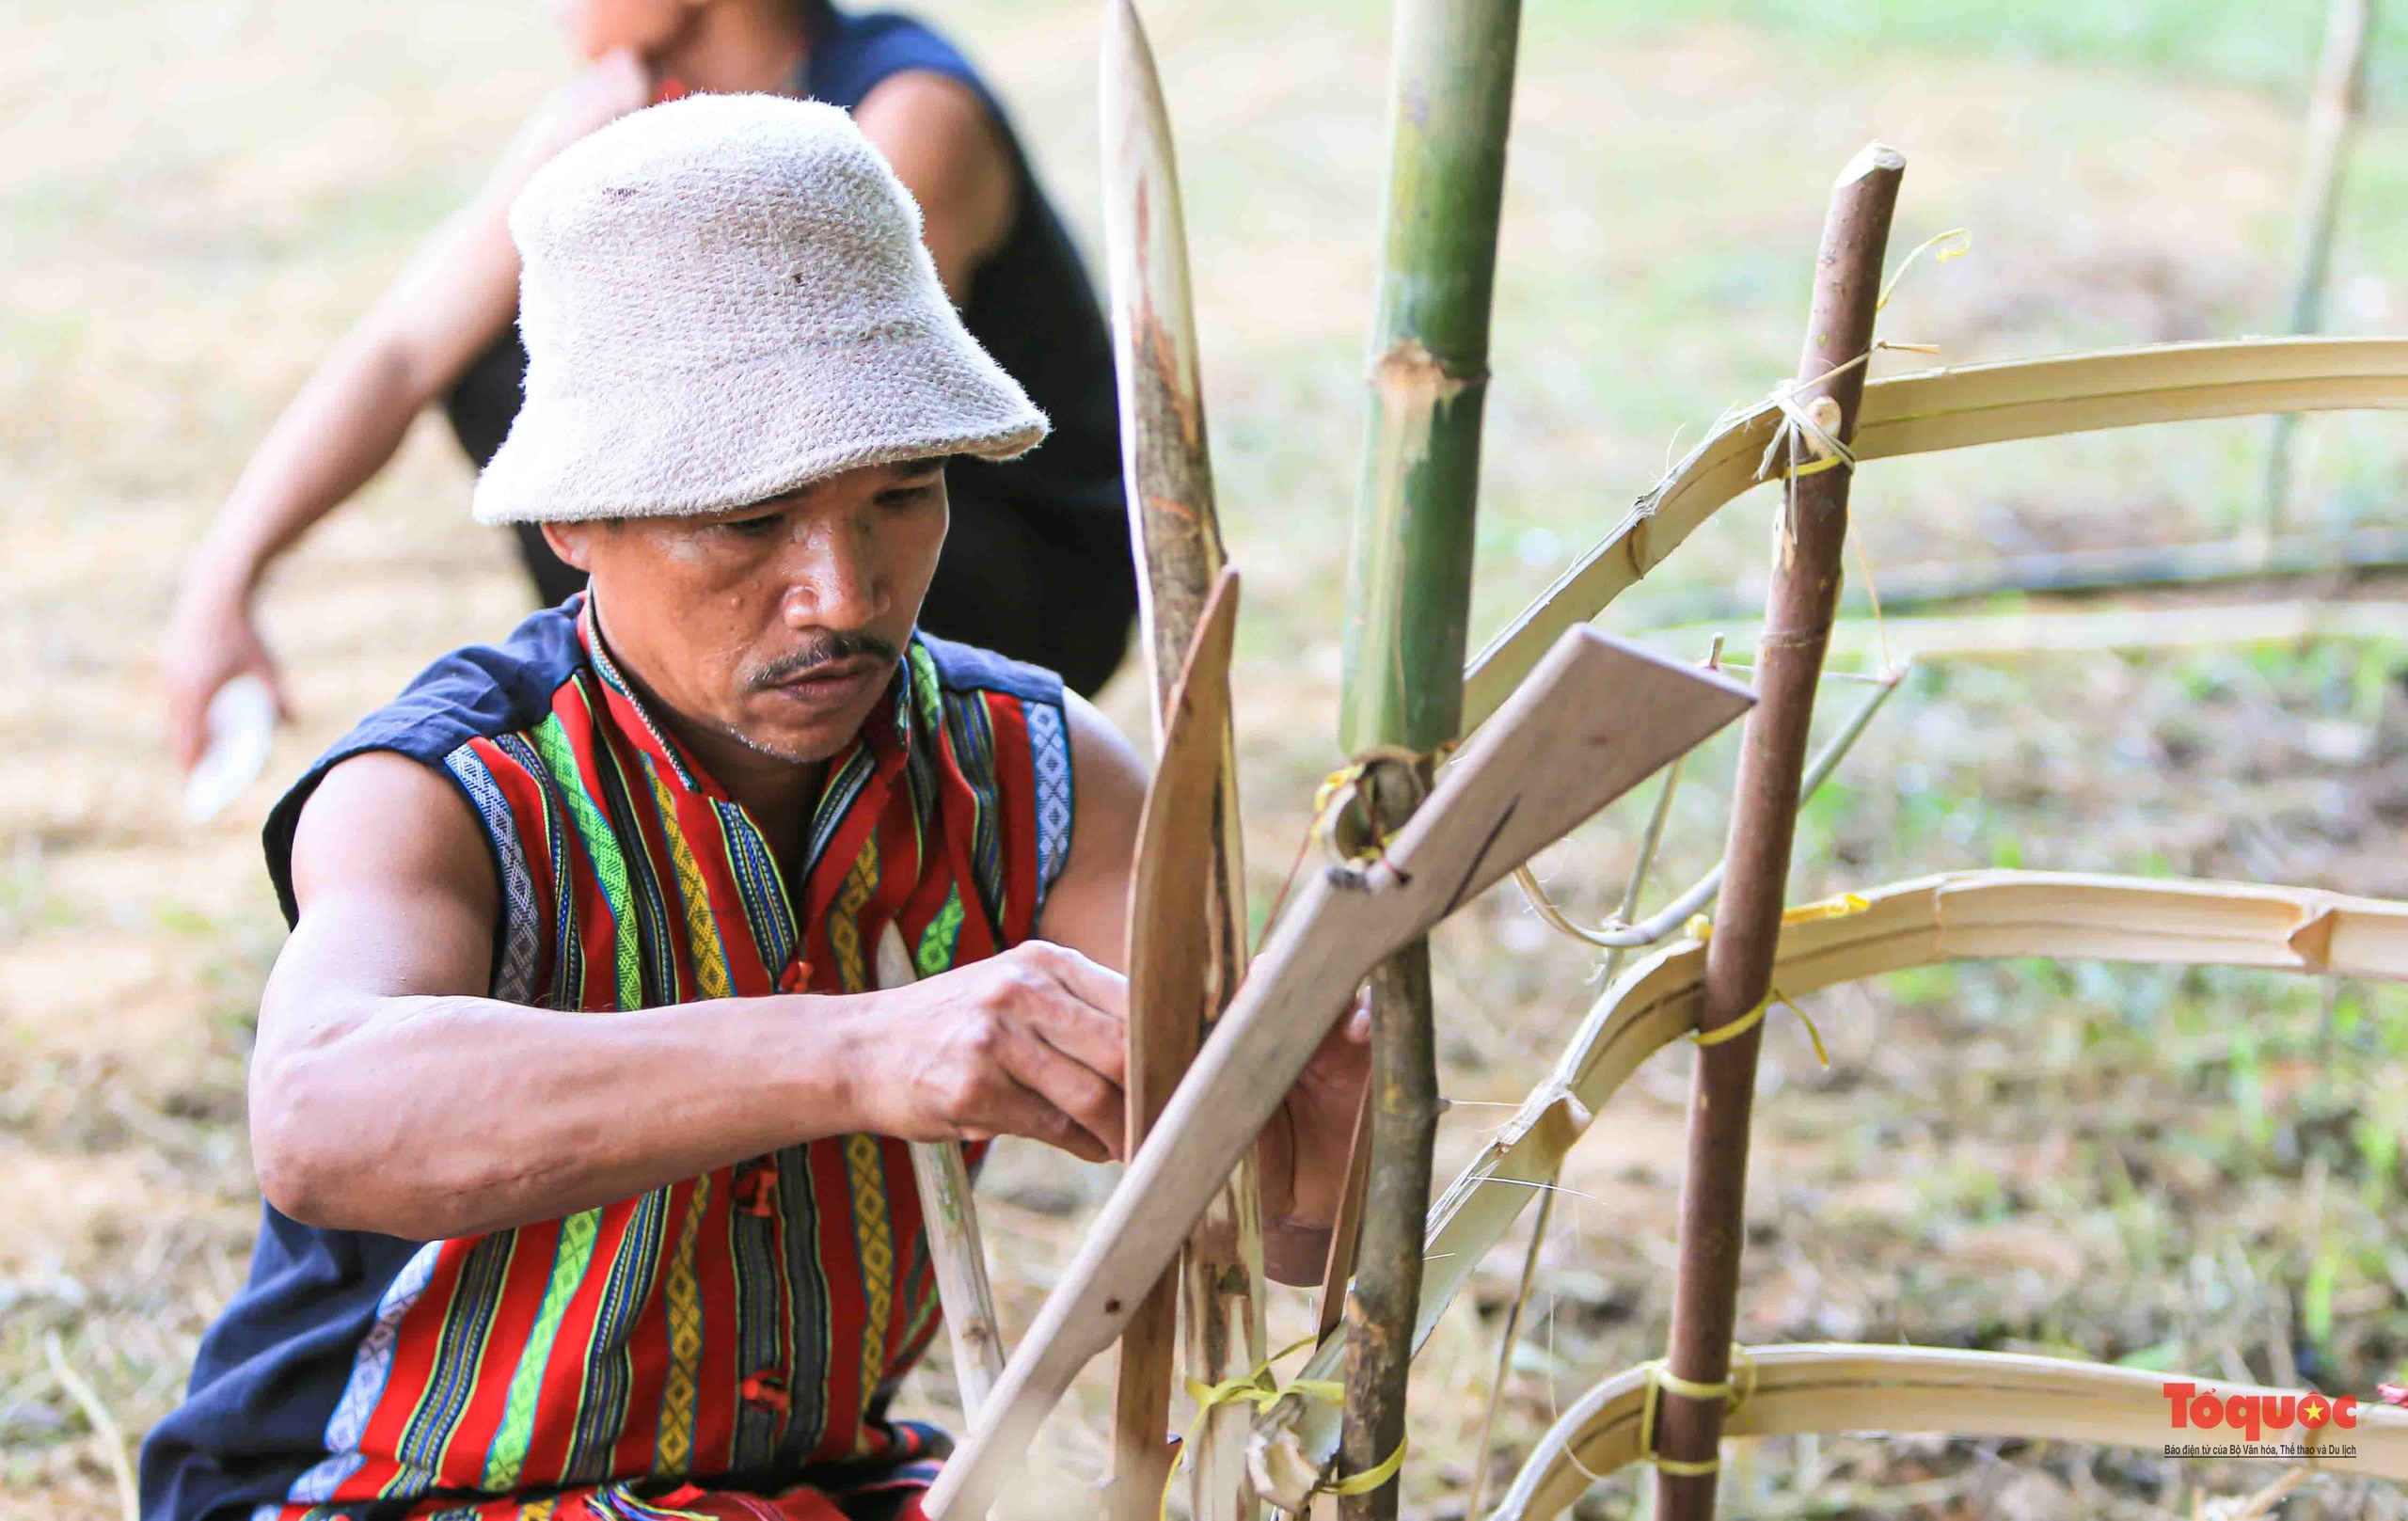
(389, 1094)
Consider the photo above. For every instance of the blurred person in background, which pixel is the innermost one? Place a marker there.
(1037, 564)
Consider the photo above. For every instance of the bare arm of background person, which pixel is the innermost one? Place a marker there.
(449, 306)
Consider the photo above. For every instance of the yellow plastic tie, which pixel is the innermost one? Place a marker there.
(1701, 928)
(1660, 1377)
(1257, 1388)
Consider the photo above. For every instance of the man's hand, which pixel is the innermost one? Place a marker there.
(1029, 1043)
(1305, 1151)
(211, 641)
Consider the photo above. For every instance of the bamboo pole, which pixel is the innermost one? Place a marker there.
(1408, 604)
(2333, 107)
(1764, 816)
(1167, 465)
(949, 1213)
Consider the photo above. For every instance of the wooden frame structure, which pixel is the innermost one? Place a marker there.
(1561, 719)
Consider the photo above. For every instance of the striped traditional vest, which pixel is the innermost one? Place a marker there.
(744, 1329)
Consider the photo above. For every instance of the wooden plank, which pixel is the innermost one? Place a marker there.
(1167, 470)
(1170, 1000)
(1832, 1389)
(1596, 718)
(951, 1218)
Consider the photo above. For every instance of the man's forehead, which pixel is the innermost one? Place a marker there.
(874, 477)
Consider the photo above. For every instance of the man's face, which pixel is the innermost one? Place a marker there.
(777, 625)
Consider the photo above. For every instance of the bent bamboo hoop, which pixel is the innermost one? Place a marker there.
(1597, 717)
(1831, 1388)
(1953, 408)
(1959, 915)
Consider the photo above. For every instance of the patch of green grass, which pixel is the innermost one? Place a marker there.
(2244, 42)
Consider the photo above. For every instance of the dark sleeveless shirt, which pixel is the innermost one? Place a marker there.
(1030, 304)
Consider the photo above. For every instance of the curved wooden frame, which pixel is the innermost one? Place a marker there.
(1954, 916)
(1952, 408)
(1831, 1388)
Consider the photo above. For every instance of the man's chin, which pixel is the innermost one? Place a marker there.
(795, 728)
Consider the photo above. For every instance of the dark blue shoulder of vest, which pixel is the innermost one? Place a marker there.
(856, 52)
(470, 693)
(962, 668)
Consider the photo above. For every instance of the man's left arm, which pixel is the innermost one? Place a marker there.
(1304, 1149)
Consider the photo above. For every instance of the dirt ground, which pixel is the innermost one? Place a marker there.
(2180, 1169)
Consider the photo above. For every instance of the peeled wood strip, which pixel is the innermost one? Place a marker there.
(1167, 468)
(1954, 408)
(2068, 916)
(1831, 1388)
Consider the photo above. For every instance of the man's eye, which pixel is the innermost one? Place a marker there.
(755, 527)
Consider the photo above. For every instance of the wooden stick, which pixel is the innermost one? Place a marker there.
(1958, 915)
(1166, 468)
(1171, 983)
(1764, 816)
(1595, 718)
(2333, 105)
(950, 1216)
(1339, 1271)
(1956, 408)
(1833, 1387)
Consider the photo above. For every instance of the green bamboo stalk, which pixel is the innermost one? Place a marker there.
(1408, 602)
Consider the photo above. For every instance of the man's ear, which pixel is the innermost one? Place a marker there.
(570, 541)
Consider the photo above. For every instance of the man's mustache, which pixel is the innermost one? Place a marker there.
(826, 650)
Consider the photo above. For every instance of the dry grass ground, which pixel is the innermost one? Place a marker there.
(2180, 1169)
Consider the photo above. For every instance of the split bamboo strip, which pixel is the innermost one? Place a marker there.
(1596, 718)
(963, 1291)
(1962, 915)
(1166, 466)
(2206, 563)
(1169, 960)
(2333, 105)
(1831, 1388)
(1408, 616)
(1764, 818)
(2091, 631)
(1954, 408)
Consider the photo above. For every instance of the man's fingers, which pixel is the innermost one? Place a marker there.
(1073, 1089)
(1097, 986)
(1020, 1110)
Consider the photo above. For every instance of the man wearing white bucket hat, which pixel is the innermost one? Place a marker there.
(580, 1117)
(1038, 564)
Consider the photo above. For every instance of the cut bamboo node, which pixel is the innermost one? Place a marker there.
(1872, 156)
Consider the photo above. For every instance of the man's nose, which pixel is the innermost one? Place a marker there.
(835, 578)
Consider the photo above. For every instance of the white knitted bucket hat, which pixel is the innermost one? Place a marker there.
(724, 300)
